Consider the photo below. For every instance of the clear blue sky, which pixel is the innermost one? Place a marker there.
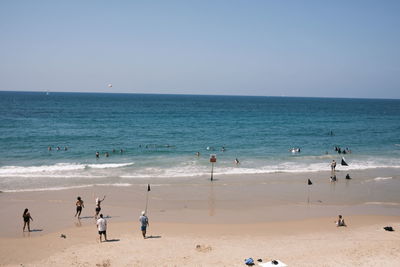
(272, 48)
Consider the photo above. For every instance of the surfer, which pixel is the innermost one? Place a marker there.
(49, 148)
(97, 154)
(106, 154)
(237, 161)
(198, 154)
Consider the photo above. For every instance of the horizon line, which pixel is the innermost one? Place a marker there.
(191, 94)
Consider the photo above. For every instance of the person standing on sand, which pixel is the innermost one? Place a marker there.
(98, 207)
(102, 227)
(79, 206)
(145, 222)
(333, 165)
(27, 217)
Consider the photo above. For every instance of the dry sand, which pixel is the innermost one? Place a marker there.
(315, 242)
(196, 223)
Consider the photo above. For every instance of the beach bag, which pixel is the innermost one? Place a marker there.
(388, 228)
(249, 261)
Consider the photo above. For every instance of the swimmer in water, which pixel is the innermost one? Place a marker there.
(237, 161)
(198, 154)
(97, 154)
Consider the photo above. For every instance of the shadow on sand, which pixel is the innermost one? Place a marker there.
(153, 236)
(112, 240)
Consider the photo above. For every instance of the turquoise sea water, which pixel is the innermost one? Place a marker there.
(160, 134)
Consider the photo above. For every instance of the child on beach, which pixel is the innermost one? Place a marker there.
(79, 206)
(27, 217)
(340, 221)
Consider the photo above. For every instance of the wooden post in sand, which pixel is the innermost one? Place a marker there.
(213, 159)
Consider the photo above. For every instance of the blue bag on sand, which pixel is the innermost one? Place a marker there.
(249, 261)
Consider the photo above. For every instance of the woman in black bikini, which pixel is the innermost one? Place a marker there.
(27, 217)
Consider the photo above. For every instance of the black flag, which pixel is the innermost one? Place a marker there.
(309, 182)
(344, 162)
(148, 187)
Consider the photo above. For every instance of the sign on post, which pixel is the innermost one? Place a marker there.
(213, 159)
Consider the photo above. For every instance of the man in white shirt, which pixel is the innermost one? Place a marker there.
(102, 227)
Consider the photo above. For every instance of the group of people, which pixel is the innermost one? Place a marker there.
(106, 154)
(333, 172)
(339, 150)
(101, 222)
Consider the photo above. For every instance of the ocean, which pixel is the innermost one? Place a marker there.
(160, 134)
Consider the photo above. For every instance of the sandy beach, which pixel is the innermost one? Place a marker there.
(194, 222)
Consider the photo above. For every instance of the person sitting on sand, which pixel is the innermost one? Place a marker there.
(145, 222)
(27, 217)
(340, 221)
(102, 227)
(348, 176)
(98, 207)
(79, 206)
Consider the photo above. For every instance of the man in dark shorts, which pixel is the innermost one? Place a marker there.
(79, 206)
(144, 223)
(102, 227)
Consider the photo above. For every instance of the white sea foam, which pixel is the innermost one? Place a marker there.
(64, 188)
(109, 165)
(46, 189)
(383, 203)
(57, 168)
(382, 178)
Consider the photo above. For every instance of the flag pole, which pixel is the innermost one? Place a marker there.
(308, 190)
(147, 197)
